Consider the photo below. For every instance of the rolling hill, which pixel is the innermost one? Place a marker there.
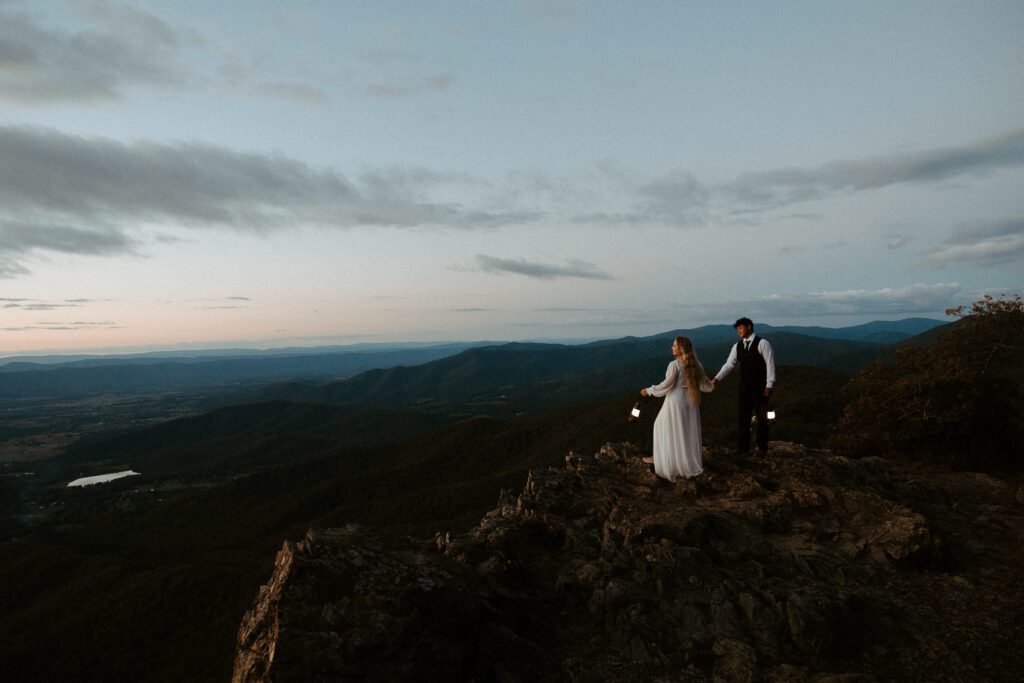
(514, 379)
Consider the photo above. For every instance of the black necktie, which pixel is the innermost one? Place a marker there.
(746, 345)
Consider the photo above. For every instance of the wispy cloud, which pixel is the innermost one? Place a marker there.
(982, 244)
(18, 237)
(790, 185)
(119, 47)
(55, 326)
(566, 309)
(303, 93)
(614, 196)
(41, 305)
(918, 298)
(63, 193)
(55, 189)
(573, 268)
(105, 49)
(410, 86)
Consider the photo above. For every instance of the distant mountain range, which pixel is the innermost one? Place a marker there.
(876, 332)
(512, 379)
(184, 355)
(46, 377)
(20, 380)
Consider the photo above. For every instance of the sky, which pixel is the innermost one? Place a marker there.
(265, 174)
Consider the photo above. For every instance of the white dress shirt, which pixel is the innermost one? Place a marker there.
(765, 349)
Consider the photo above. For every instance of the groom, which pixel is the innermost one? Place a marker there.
(757, 376)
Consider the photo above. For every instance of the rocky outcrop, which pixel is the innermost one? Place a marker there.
(768, 569)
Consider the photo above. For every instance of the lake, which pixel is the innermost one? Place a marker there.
(102, 478)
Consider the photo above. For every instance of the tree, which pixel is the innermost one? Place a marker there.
(958, 399)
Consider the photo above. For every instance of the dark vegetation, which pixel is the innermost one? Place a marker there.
(959, 399)
(147, 577)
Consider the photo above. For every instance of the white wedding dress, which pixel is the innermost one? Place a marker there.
(677, 450)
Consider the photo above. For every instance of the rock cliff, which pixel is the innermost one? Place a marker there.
(801, 566)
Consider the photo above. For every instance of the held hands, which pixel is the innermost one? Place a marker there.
(767, 392)
(643, 392)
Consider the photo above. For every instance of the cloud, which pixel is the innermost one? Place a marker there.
(679, 198)
(673, 192)
(897, 243)
(788, 185)
(64, 193)
(902, 300)
(918, 298)
(302, 93)
(77, 195)
(47, 173)
(50, 326)
(565, 309)
(120, 48)
(410, 86)
(982, 244)
(111, 48)
(41, 305)
(238, 298)
(574, 268)
(22, 237)
(10, 268)
(610, 195)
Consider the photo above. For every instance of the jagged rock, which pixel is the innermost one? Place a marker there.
(771, 569)
(344, 600)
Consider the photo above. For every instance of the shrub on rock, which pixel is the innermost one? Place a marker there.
(958, 399)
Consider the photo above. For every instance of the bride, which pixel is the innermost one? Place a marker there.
(677, 428)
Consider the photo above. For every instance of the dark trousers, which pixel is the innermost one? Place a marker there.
(752, 403)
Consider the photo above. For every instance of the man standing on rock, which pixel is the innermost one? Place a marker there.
(757, 376)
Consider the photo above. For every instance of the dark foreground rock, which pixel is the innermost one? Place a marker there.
(799, 567)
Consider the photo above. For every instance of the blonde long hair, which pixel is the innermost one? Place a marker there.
(692, 368)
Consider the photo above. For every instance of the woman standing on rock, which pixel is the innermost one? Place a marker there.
(677, 450)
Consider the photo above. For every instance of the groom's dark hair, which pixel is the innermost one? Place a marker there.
(744, 321)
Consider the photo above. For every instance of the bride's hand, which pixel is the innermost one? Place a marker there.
(643, 392)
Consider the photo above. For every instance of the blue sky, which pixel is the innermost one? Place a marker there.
(328, 172)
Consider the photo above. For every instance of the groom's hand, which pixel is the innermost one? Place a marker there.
(767, 392)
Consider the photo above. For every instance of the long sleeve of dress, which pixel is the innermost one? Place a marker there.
(706, 385)
(671, 374)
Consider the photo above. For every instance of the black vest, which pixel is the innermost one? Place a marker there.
(753, 369)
